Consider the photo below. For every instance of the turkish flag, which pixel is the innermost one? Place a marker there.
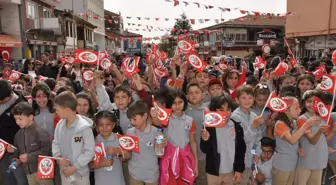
(277, 104)
(281, 69)
(321, 108)
(170, 82)
(333, 57)
(160, 72)
(215, 119)
(85, 56)
(185, 46)
(3, 148)
(129, 143)
(14, 76)
(293, 61)
(320, 71)
(130, 66)
(328, 83)
(88, 75)
(99, 153)
(163, 114)
(69, 60)
(195, 61)
(46, 167)
(259, 63)
(5, 55)
(29, 99)
(105, 64)
(241, 81)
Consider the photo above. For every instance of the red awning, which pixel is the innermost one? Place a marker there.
(9, 41)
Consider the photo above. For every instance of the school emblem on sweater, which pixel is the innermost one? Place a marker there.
(78, 139)
(215, 119)
(129, 143)
(232, 132)
(45, 167)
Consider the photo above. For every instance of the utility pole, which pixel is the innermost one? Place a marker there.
(222, 29)
(74, 23)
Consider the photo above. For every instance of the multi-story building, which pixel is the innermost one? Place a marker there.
(11, 28)
(238, 37)
(314, 33)
(40, 26)
(114, 29)
(91, 11)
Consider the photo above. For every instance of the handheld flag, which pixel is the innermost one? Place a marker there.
(46, 167)
(215, 119)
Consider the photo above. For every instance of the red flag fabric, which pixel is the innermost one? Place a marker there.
(163, 55)
(333, 58)
(293, 61)
(69, 60)
(328, 84)
(242, 11)
(163, 114)
(105, 64)
(103, 54)
(196, 62)
(197, 4)
(185, 46)
(321, 108)
(84, 56)
(29, 99)
(5, 55)
(281, 69)
(277, 104)
(320, 71)
(170, 82)
(176, 2)
(46, 166)
(215, 119)
(3, 148)
(99, 153)
(129, 143)
(160, 72)
(41, 78)
(88, 75)
(14, 76)
(259, 63)
(131, 66)
(192, 21)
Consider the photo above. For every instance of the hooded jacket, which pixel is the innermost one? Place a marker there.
(82, 143)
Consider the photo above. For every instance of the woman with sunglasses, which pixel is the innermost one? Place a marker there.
(29, 67)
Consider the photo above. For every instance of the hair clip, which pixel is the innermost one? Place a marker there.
(262, 86)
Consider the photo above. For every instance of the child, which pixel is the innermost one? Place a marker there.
(230, 79)
(314, 144)
(44, 107)
(202, 78)
(261, 94)
(73, 141)
(263, 174)
(215, 88)
(224, 147)
(84, 105)
(143, 167)
(180, 159)
(196, 111)
(287, 136)
(30, 141)
(251, 124)
(304, 83)
(105, 123)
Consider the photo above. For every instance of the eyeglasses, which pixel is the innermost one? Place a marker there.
(268, 152)
(38, 64)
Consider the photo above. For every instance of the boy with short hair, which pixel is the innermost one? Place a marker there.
(264, 165)
(203, 78)
(73, 141)
(251, 126)
(195, 110)
(30, 141)
(143, 167)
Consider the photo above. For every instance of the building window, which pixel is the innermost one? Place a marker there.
(243, 37)
(71, 29)
(46, 13)
(237, 36)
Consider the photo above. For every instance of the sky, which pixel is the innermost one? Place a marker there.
(163, 9)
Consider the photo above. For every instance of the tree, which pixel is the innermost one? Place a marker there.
(182, 25)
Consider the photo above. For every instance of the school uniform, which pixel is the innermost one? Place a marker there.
(45, 119)
(252, 137)
(265, 167)
(267, 113)
(143, 167)
(286, 156)
(178, 164)
(310, 167)
(75, 143)
(102, 176)
(197, 114)
(225, 153)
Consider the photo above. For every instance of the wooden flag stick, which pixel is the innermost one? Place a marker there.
(9, 144)
(57, 158)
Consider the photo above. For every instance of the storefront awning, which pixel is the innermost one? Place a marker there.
(9, 41)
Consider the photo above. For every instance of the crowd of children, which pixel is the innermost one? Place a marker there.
(67, 118)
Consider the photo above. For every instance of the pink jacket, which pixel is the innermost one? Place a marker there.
(171, 161)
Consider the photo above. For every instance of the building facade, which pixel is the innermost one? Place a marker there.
(238, 38)
(11, 35)
(114, 30)
(314, 33)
